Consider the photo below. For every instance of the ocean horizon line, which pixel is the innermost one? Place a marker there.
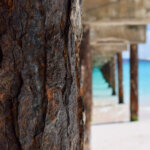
(141, 59)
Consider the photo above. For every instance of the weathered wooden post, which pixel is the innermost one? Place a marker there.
(40, 105)
(105, 72)
(86, 83)
(113, 75)
(120, 77)
(109, 72)
(134, 82)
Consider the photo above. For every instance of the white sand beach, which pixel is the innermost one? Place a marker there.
(119, 136)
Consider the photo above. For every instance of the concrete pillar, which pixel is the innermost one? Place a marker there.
(134, 82)
(120, 77)
(86, 84)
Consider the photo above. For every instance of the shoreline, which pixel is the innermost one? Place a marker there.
(140, 59)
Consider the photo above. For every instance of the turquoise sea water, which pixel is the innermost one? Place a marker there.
(101, 89)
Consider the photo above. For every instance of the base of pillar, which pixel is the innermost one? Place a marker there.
(134, 119)
(121, 101)
(114, 93)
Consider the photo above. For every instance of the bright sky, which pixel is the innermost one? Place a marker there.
(144, 49)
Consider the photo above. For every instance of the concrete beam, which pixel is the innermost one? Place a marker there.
(104, 51)
(128, 33)
(106, 47)
(117, 10)
(101, 59)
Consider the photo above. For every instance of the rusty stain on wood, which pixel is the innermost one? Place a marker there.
(134, 82)
(40, 107)
(120, 77)
(86, 83)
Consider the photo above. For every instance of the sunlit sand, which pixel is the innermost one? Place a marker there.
(121, 136)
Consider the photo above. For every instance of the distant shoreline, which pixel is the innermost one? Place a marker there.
(144, 59)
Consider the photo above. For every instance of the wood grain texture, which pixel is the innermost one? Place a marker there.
(134, 82)
(39, 75)
(86, 84)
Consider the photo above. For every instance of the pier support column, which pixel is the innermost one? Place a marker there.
(40, 104)
(120, 77)
(134, 82)
(106, 73)
(86, 84)
(109, 73)
(113, 77)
